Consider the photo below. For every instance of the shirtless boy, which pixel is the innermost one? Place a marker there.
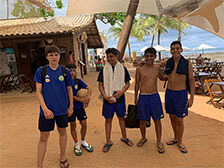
(149, 103)
(179, 72)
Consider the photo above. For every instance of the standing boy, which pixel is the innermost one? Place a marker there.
(54, 92)
(79, 112)
(180, 79)
(113, 82)
(149, 103)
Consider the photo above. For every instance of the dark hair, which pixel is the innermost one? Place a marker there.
(70, 52)
(51, 49)
(70, 66)
(112, 51)
(176, 42)
(150, 50)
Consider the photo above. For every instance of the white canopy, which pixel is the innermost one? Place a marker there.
(202, 47)
(160, 48)
(206, 14)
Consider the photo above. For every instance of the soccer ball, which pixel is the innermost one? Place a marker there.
(82, 93)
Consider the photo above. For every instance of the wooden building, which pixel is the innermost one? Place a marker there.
(29, 37)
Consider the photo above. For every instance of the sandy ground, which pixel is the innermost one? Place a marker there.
(203, 136)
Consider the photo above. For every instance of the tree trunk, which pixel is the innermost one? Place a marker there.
(179, 30)
(126, 28)
(159, 43)
(7, 3)
(153, 36)
(129, 49)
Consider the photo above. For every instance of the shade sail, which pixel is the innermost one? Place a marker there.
(205, 14)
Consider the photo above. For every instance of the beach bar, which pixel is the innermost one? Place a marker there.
(27, 38)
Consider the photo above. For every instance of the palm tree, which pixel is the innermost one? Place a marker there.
(139, 30)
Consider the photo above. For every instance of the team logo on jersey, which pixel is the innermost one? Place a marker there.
(61, 77)
(47, 78)
(76, 86)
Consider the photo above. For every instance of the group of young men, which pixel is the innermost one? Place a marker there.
(56, 89)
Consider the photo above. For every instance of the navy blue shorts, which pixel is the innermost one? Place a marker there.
(110, 109)
(48, 124)
(80, 114)
(175, 102)
(149, 105)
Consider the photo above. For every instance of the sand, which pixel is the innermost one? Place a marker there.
(19, 136)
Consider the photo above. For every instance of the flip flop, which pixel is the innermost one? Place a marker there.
(161, 149)
(77, 151)
(63, 163)
(107, 147)
(171, 142)
(127, 141)
(89, 148)
(182, 149)
(141, 143)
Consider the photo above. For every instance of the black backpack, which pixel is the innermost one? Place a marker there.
(43, 74)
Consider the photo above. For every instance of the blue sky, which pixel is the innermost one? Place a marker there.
(195, 36)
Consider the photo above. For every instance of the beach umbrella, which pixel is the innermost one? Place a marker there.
(144, 48)
(185, 48)
(160, 48)
(205, 14)
(202, 47)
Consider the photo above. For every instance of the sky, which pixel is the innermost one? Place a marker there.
(195, 36)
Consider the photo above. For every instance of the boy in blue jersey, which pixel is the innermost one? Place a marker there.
(113, 82)
(79, 111)
(56, 103)
(149, 103)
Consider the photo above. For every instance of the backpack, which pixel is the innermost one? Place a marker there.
(43, 74)
(78, 83)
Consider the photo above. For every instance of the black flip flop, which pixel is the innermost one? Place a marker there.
(127, 141)
(107, 146)
(63, 163)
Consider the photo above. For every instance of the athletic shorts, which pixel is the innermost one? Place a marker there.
(149, 105)
(175, 102)
(80, 114)
(48, 124)
(110, 109)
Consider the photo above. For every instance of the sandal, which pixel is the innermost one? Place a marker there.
(141, 143)
(77, 151)
(63, 163)
(89, 148)
(106, 147)
(127, 141)
(171, 142)
(182, 149)
(161, 149)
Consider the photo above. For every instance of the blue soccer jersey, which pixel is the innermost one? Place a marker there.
(75, 87)
(54, 89)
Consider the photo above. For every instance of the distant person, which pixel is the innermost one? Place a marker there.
(199, 60)
(54, 92)
(79, 112)
(113, 82)
(71, 55)
(180, 79)
(99, 64)
(149, 103)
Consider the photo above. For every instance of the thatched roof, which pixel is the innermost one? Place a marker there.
(41, 26)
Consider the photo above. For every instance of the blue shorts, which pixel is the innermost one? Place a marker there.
(149, 105)
(79, 113)
(48, 124)
(175, 102)
(109, 109)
